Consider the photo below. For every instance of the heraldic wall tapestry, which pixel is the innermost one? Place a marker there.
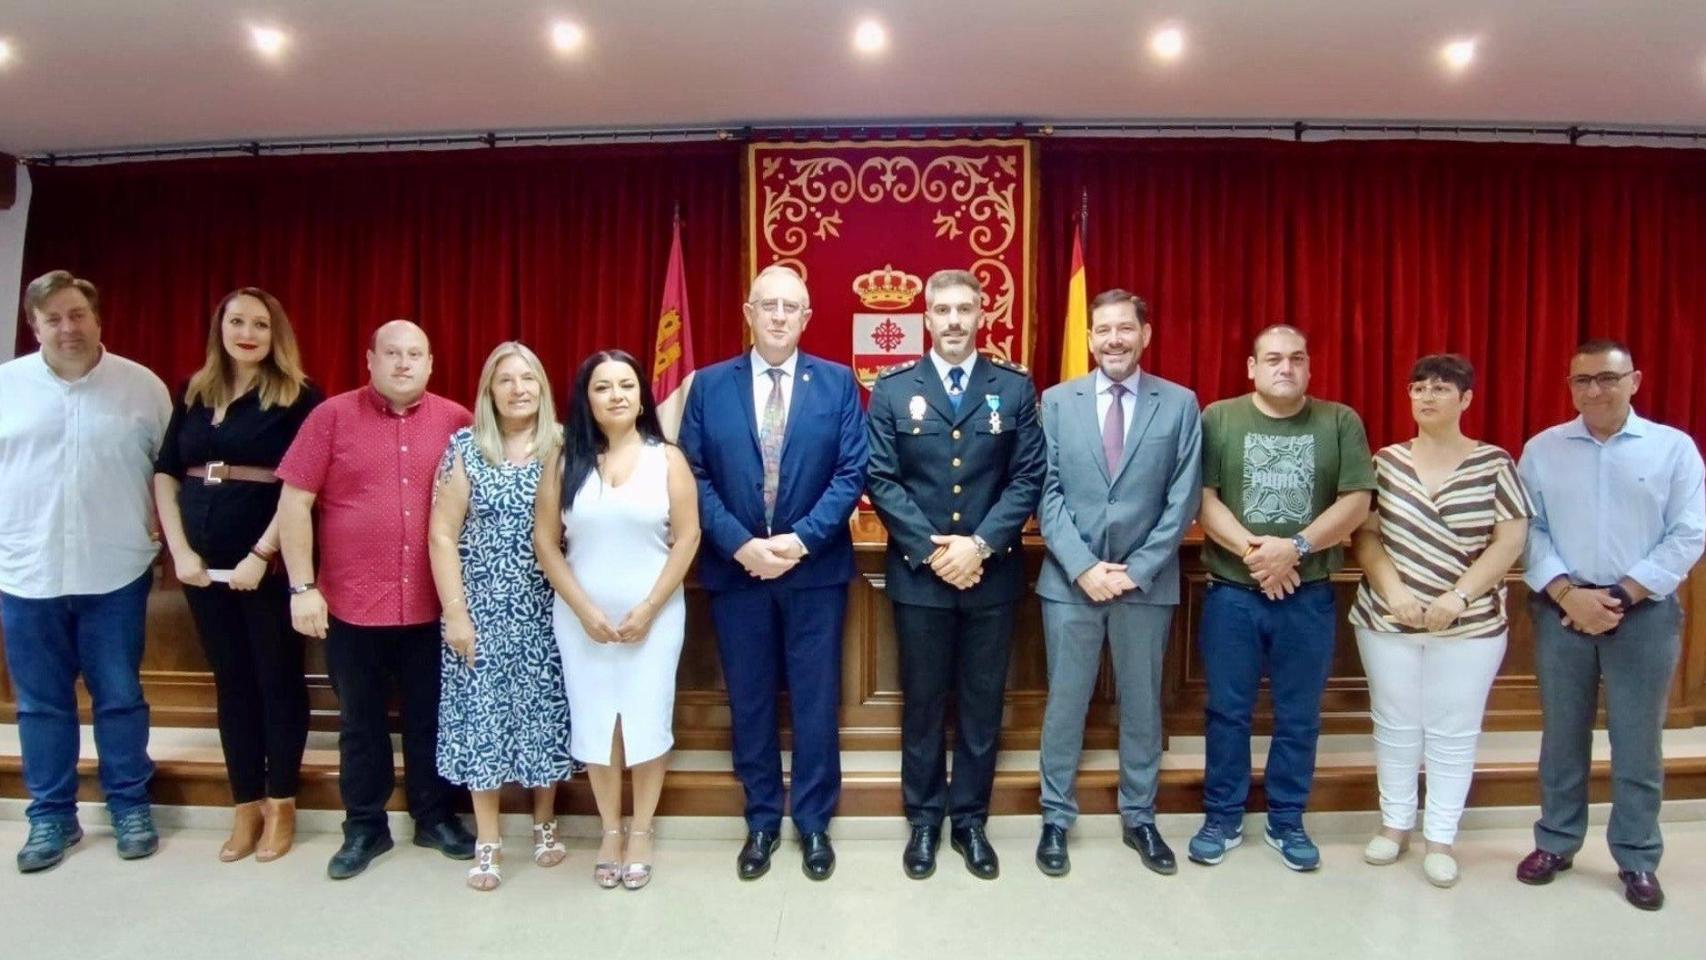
(866, 224)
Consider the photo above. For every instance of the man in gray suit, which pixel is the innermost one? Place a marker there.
(1123, 484)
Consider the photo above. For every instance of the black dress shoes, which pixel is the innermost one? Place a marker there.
(448, 837)
(754, 859)
(1153, 850)
(1540, 867)
(920, 856)
(973, 844)
(1641, 888)
(356, 853)
(817, 856)
(1051, 852)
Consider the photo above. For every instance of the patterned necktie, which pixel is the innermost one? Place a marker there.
(1113, 428)
(770, 444)
(955, 389)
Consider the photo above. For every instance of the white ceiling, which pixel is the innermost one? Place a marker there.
(88, 73)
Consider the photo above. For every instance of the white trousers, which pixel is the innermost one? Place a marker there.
(1428, 695)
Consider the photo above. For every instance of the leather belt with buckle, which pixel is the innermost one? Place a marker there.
(216, 472)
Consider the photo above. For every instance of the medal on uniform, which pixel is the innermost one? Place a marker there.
(916, 407)
(993, 400)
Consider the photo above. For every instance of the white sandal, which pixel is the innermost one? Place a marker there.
(547, 850)
(638, 873)
(484, 875)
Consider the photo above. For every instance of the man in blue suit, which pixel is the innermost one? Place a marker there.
(777, 441)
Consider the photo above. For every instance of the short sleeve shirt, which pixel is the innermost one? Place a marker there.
(371, 471)
(1277, 475)
(1433, 538)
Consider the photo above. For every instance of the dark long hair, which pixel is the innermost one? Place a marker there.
(583, 439)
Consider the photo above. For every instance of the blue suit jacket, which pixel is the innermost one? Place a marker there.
(824, 451)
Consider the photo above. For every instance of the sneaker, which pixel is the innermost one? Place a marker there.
(134, 830)
(1210, 844)
(1294, 846)
(47, 844)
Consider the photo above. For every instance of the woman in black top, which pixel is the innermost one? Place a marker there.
(217, 496)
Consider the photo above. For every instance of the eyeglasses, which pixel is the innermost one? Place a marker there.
(1604, 381)
(1438, 391)
(787, 308)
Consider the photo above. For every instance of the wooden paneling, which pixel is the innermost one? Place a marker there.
(180, 689)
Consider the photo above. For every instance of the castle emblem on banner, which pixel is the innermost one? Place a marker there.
(889, 337)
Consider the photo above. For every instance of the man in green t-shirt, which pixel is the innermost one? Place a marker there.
(1286, 478)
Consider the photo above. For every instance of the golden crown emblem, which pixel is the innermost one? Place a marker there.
(887, 289)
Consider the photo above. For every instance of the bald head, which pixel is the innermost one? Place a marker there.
(399, 362)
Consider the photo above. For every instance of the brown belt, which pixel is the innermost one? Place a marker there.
(218, 471)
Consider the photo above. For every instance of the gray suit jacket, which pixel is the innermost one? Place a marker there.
(1136, 515)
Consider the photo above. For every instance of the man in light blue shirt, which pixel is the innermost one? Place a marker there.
(1620, 518)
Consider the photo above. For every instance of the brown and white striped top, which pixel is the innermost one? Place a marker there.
(1433, 538)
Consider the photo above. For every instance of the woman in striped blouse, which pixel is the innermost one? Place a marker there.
(1450, 519)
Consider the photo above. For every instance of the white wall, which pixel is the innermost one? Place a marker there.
(12, 264)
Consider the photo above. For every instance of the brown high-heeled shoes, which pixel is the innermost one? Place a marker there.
(280, 833)
(245, 832)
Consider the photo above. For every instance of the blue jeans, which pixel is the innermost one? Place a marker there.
(48, 643)
(1245, 635)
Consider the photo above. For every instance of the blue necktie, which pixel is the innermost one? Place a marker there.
(955, 389)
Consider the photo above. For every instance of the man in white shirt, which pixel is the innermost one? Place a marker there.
(79, 429)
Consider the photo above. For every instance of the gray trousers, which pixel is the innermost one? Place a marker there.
(1137, 636)
(1636, 662)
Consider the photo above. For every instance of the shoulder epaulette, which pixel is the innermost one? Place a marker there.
(897, 368)
(1009, 365)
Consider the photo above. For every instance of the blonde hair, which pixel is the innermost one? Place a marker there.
(280, 380)
(488, 438)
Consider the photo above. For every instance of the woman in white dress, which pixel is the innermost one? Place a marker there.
(616, 524)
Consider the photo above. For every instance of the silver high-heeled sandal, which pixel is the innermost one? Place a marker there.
(608, 873)
(637, 874)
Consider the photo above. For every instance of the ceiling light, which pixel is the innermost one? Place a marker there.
(268, 41)
(1168, 43)
(567, 37)
(1458, 54)
(5, 52)
(870, 37)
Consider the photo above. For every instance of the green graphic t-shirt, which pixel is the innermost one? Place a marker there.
(1278, 475)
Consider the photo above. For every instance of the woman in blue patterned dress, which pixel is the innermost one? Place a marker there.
(503, 716)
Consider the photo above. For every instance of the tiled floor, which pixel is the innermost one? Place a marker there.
(183, 904)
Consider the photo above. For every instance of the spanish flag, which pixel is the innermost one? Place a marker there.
(1075, 339)
(672, 354)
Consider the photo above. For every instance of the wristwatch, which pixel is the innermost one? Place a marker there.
(297, 591)
(1301, 542)
(984, 550)
(1461, 596)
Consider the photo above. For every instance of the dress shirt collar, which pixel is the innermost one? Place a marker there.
(1104, 383)
(943, 366)
(1635, 426)
(384, 406)
(761, 365)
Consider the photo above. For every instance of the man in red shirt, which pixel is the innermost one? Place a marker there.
(366, 459)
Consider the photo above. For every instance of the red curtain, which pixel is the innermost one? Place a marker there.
(562, 248)
(1381, 252)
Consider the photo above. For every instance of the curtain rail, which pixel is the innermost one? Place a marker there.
(856, 131)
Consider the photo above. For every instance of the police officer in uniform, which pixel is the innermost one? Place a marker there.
(956, 469)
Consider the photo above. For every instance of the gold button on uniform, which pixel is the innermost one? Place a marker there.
(917, 430)
(956, 488)
(956, 434)
(956, 461)
(956, 518)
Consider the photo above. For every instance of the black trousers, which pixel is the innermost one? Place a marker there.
(941, 650)
(364, 663)
(258, 675)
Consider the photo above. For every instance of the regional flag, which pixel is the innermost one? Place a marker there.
(672, 353)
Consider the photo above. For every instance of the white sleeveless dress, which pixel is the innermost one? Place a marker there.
(618, 539)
